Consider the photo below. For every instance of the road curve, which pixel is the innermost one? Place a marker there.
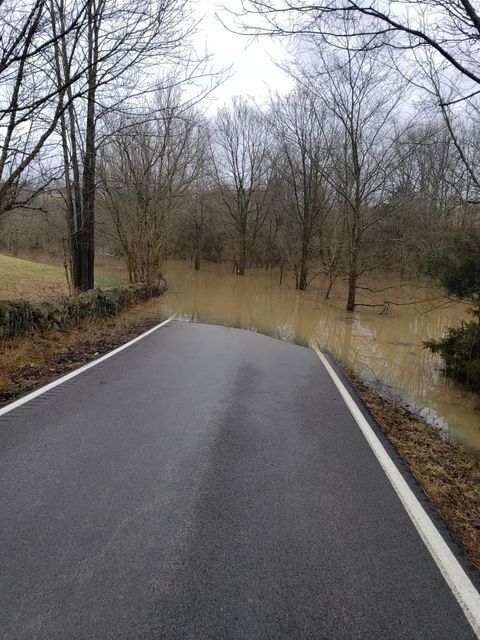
(206, 482)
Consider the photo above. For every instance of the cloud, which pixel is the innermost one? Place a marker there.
(253, 62)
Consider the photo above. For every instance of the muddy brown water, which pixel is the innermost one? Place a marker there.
(384, 349)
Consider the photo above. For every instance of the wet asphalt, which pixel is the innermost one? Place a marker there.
(206, 482)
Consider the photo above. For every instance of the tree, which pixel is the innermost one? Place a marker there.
(296, 122)
(147, 170)
(113, 48)
(31, 102)
(441, 39)
(426, 194)
(194, 223)
(450, 29)
(243, 172)
(458, 268)
(365, 157)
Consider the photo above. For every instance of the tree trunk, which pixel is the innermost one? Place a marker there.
(242, 259)
(76, 260)
(302, 280)
(73, 203)
(329, 288)
(87, 245)
(352, 290)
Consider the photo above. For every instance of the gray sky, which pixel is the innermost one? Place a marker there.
(253, 73)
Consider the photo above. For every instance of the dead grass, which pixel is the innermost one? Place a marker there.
(31, 280)
(37, 281)
(448, 472)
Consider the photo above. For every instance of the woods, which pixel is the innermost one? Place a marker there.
(368, 163)
(66, 68)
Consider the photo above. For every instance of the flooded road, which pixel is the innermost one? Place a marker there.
(214, 485)
(385, 350)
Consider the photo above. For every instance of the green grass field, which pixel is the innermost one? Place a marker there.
(21, 278)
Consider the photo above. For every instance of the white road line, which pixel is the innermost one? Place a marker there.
(72, 374)
(456, 578)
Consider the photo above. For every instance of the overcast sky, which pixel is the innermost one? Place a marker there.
(254, 73)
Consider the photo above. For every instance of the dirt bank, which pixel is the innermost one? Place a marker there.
(33, 360)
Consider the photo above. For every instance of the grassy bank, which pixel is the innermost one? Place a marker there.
(31, 280)
(29, 361)
(448, 472)
(36, 281)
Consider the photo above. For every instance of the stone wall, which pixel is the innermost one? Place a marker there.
(20, 316)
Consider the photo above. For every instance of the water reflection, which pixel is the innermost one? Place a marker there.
(383, 349)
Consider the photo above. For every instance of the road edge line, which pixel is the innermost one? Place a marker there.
(38, 392)
(460, 584)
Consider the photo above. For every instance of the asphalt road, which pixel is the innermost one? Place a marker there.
(206, 483)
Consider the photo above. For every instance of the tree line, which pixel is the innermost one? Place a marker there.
(369, 162)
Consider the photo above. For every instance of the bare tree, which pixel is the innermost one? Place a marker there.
(296, 122)
(243, 171)
(450, 29)
(115, 48)
(147, 171)
(365, 156)
(196, 220)
(31, 102)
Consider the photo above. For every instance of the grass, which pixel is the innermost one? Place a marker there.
(36, 281)
(448, 472)
(26, 279)
(29, 361)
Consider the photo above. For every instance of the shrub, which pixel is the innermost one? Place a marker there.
(460, 350)
(20, 316)
(458, 271)
(458, 267)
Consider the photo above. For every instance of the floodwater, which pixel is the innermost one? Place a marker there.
(384, 349)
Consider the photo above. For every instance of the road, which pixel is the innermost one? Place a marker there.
(206, 482)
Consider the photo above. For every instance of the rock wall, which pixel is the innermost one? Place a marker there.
(18, 317)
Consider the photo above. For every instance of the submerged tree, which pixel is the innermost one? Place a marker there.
(303, 155)
(243, 172)
(364, 157)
